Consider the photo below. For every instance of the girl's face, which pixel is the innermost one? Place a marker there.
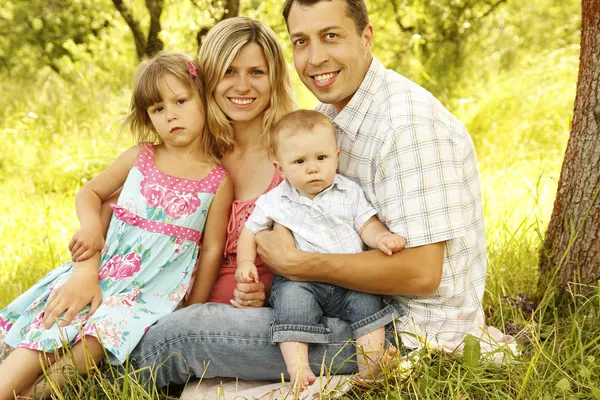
(244, 93)
(179, 117)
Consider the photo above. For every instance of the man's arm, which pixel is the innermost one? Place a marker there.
(414, 271)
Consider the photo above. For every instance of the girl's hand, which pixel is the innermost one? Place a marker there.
(78, 291)
(85, 243)
(249, 295)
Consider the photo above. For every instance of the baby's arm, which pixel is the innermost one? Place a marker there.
(246, 271)
(213, 244)
(377, 236)
(82, 287)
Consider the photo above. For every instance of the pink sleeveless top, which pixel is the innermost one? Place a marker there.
(222, 291)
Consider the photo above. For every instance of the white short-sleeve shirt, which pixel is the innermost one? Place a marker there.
(417, 165)
(329, 223)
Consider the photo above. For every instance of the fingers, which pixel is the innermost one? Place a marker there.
(96, 302)
(70, 314)
(384, 248)
(246, 304)
(74, 248)
(86, 255)
(51, 316)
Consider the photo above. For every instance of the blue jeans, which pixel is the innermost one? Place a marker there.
(219, 340)
(299, 308)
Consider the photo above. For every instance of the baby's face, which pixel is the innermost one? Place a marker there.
(309, 159)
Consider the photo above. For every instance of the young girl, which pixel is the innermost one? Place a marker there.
(145, 266)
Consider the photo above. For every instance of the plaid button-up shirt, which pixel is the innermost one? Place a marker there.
(416, 164)
(329, 223)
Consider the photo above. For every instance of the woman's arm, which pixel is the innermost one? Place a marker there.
(213, 244)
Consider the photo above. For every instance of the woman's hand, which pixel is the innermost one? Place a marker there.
(85, 243)
(249, 295)
(81, 289)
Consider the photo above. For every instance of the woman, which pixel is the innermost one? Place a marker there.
(248, 90)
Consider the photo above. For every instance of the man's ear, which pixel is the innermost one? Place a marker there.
(337, 153)
(278, 168)
(367, 36)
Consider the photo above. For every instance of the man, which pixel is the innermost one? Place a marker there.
(416, 163)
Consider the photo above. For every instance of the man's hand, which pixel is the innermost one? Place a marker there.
(85, 243)
(246, 272)
(249, 295)
(75, 294)
(277, 250)
(390, 243)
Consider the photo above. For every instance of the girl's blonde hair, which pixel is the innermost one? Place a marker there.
(148, 78)
(222, 44)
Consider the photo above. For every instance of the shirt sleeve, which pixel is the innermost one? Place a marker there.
(419, 186)
(261, 218)
(364, 208)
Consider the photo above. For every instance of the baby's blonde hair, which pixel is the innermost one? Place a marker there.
(222, 44)
(297, 121)
(146, 92)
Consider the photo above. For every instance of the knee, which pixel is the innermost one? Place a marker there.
(93, 347)
(293, 295)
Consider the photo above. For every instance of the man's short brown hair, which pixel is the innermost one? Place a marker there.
(356, 9)
(297, 121)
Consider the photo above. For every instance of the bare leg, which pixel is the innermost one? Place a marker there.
(19, 370)
(83, 356)
(370, 350)
(295, 355)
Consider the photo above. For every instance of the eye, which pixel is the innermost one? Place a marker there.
(256, 72)
(181, 101)
(321, 158)
(330, 35)
(156, 110)
(229, 71)
(298, 42)
(299, 161)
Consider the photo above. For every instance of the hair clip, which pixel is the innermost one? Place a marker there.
(192, 69)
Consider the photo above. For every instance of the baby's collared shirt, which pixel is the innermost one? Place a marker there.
(327, 224)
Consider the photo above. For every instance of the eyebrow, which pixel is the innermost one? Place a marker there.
(321, 31)
(251, 67)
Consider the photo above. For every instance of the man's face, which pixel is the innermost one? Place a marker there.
(330, 56)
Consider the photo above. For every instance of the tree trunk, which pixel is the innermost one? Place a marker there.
(571, 251)
(154, 44)
(134, 25)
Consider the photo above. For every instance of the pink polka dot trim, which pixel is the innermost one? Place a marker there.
(145, 163)
(154, 226)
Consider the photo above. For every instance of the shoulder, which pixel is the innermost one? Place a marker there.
(130, 156)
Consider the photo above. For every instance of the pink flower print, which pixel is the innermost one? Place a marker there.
(177, 206)
(177, 294)
(109, 333)
(130, 298)
(37, 321)
(124, 215)
(5, 324)
(152, 192)
(119, 268)
(31, 345)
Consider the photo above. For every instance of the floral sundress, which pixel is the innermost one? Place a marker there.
(151, 248)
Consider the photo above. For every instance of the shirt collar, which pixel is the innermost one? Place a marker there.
(351, 117)
(289, 192)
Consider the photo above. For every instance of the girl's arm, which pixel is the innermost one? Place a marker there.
(82, 287)
(213, 243)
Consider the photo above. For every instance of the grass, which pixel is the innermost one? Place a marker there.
(58, 140)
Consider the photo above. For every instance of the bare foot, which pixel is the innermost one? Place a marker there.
(301, 378)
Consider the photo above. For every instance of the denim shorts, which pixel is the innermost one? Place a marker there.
(300, 309)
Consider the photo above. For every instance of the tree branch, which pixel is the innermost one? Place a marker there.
(134, 25)
(154, 44)
(409, 29)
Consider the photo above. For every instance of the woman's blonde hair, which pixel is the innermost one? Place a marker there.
(222, 44)
(146, 92)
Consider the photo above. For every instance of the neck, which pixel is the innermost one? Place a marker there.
(247, 135)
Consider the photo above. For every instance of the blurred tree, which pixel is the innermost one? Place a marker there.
(33, 39)
(145, 45)
(571, 250)
(218, 11)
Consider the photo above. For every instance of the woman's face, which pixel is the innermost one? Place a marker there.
(243, 94)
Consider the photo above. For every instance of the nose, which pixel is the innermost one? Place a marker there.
(317, 55)
(311, 168)
(241, 83)
(171, 114)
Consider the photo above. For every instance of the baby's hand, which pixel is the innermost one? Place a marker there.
(246, 272)
(391, 243)
(85, 243)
